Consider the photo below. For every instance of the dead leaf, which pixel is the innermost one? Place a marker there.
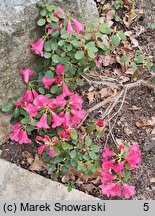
(88, 187)
(37, 165)
(152, 179)
(124, 79)
(109, 16)
(129, 71)
(26, 154)
(141, 124)
(91, 96)
(127, 131)
(152, 121)
(106, 60)
(30, 160)
(127, 21)
(128, 3)
(104, 92)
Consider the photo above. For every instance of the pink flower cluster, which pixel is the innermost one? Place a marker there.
(114, 166)
(33, 103)
(18, 134)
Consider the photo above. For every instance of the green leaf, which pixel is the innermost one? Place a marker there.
(61, 43)
(126, 176)
(121, 35)
(104, 28)
(30, 128)
(115, 40)
(47, 46)
(91, 54)
(50, 8)
(88, 141)
(54, 26)
(52, 167)
(47, 55)
(74, 135)
(134, 67)
(54, 89)
(56, 150)
(79, 82)
(139, 59)
(8, 106)
(16, 112)
(25, 120)
(73, 154)
(124, 59)
(87, 36)
(65, 145)
(54, 46)
(41, 90)
(49, 74)
(55, 58)
(86, 156)
(79, 55)
(90, 128)
(75, 43)
(43, 12)
(94, 148)
(53, 18)
(41, 22)
(93, 156)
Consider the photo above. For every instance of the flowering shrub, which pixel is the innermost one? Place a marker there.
(116, 170)
(52, 111)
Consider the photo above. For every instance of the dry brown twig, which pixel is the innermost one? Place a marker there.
(116, 98)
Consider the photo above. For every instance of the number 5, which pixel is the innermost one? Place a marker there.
(146, 207)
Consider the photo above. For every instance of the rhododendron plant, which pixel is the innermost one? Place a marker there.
(115, 170)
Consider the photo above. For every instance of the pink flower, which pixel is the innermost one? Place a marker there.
(58, 80)
(107, 176)
(52, 153)
(128, 191)
(78, 115)
(57, 121)
(134, 156)
(26, 74)
(67, 121)
(78, 26)
(23, 138)
(20, 103)
(32, 110)
(39, 138)
(65, 91)
(35, 94)
(60, 69)
(60, 11)
(107, 153)
(15, 135)
(118, 167)
(69, 28)
(76, 101)
(16, 126)
(42, 148)
(107, 164)
(41, 100)
(42, 123)
(28, 96)
(112, 189)
(100, 123)
(37, 47)
(65, 135)
(59, 101)
(47, 81)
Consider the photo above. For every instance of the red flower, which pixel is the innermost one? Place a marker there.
(100, 123)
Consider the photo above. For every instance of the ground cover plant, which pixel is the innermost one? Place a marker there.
(53, 112)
